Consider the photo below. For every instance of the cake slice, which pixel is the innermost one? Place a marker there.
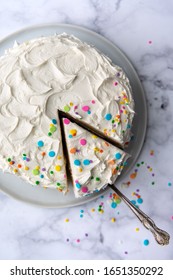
(94, 162)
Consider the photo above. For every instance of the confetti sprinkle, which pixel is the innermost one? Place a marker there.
(108, 117)
(113, 220)
(67, 220)
(146, 242)
(51, 153)
(40, 143)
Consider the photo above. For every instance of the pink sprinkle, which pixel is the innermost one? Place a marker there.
(65, 176)
(84, 189)
(66, 121)
(83, 142)
(121, 111)
(93, 101)
(85, 108)
(115, 84)
(76, 181)
(150, 42)
(172, 217)
(78, 240)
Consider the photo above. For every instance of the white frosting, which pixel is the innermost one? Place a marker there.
(93, 162)
(49, 73)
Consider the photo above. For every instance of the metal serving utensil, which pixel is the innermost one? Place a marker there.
(161, 236)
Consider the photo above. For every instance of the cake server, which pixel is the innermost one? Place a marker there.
(161, 236)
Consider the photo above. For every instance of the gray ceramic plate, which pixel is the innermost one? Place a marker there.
(23, 191)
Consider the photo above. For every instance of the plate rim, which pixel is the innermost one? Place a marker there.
(126, 58)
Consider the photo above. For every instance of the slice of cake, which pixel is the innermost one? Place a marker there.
(94, 162)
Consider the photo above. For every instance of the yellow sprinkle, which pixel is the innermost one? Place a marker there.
(113, 220)
(80, 169)
(59, 157)
(71, 103)
(58, 168)
(96, 149)
(113, 130)
(101, 211)
(92, 210)
(137, 229)
(73, 131)
(26, 168)
(66, 220)
(94, 136)
(37, 167)
(51, 124)
(45, 187)
(150, 169)
(15, 170)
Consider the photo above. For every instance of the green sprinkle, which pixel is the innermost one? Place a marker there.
(97, 179)
(37, 182)
(92, 177)
(51, 172)
(35, 172)
(58, 184)
(49, 134)
(113, 121)
(52, 129)
(138, 164)
(9, 159)
(66, 108)
(24, 155)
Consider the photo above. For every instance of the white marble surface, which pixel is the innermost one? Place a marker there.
(27, 232)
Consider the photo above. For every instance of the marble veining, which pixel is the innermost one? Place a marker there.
(143, 30)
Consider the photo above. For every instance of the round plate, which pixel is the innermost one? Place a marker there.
(19, 189)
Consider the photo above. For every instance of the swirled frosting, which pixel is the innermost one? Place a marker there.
(42, 75)
(94, 162)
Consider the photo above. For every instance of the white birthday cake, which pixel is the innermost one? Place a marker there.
(47, 74)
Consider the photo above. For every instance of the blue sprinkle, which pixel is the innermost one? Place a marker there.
(41, 176)
(78, 185)
(117, 155)
(146, 242)
(70, 136)
(89, 112)
(169, 184)
(40, 143)
(108, 117)
(140, 200)
(54, 121)
(24, 158)
(81, 216)
(128, 125)
(113, 205)
(81, 211)
(51, 153)
(133, 202)
(86, 162)
(77, 162)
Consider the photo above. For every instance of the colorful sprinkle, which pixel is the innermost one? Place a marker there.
(66, 121)
(113, 220)
(58, 168)
(40, 143)
(35, 172)
(117, 155)
(73, 132)
(108, 117)
(84, 189)
(53, 129)
(66, 108)
(86, 162)
(77, 162)
(73, 150)
(83, 142)
(146, 242)
(54, 121)
(85, 108)
(51, 153)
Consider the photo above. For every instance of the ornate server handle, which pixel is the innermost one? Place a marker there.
(161, 236)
